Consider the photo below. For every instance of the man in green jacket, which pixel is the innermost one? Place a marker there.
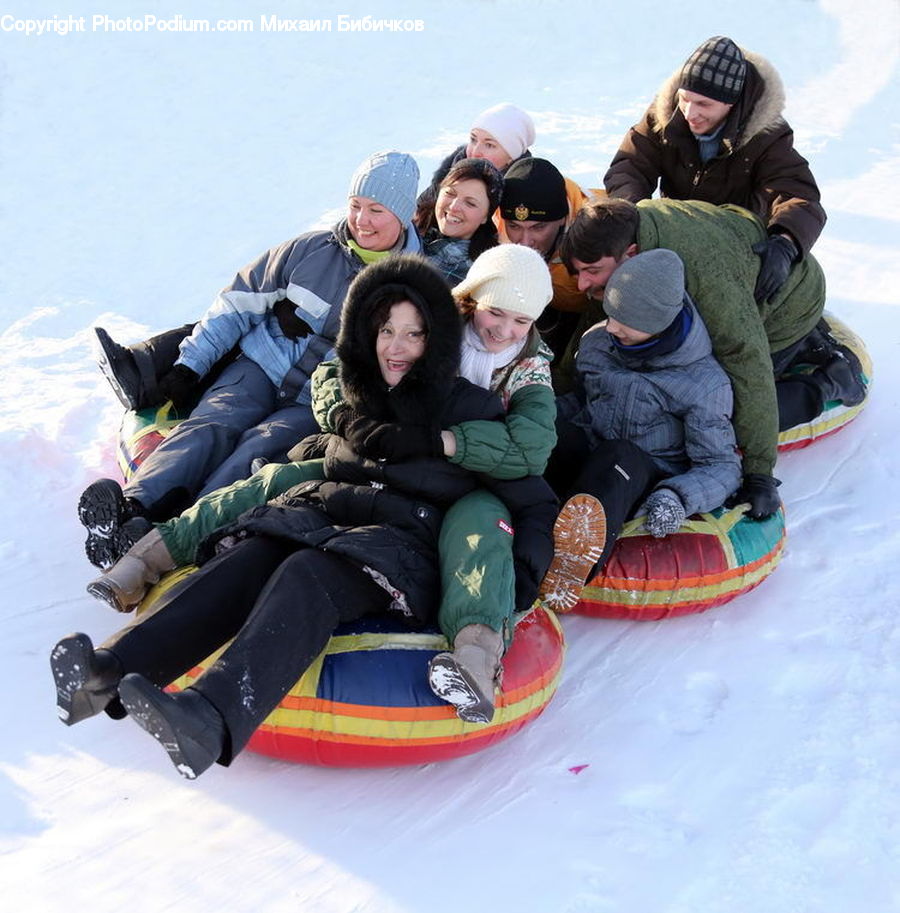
(755, 343)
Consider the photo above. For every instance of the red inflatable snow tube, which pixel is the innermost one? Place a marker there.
(365, 701)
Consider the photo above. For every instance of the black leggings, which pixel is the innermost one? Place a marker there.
(280, 604)
(617, 473)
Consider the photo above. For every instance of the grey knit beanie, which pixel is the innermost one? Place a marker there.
(716, 69)
(647, 291)
(389, 178)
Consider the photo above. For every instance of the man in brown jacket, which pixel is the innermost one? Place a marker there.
(714, 132)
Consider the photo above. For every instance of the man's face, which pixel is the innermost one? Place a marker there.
(539, 236)
(703, 115)
(592, 277)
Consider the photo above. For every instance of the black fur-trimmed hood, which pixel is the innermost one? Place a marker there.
(758, 109)
(421, 397)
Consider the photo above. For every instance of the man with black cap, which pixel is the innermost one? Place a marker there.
(715, 132)
(537, 205)
(650, 423)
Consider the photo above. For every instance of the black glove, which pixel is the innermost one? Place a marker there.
(395, 442)
(778, 254)
(311, 447)
(179, 385)
(292, 326)
(760, 492)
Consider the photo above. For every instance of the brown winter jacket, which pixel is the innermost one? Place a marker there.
(757, 168)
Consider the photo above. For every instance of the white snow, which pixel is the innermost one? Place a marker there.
(746, 760)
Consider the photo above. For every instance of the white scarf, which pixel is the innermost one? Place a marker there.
(477, 364)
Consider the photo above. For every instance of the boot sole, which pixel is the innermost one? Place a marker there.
(156, 712)
(579, 534)
(70, 661)
(102, 511)
(451, 683)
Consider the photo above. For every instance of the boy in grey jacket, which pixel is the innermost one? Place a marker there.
(649, 424)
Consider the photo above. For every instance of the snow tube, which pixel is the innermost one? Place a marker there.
(141, 433)
(836, 415)
(365, 701)
(713, 558)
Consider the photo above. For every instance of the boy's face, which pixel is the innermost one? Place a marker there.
(628, 336)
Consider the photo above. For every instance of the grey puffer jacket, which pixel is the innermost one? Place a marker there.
(676, 407)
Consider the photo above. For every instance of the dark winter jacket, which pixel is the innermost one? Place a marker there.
(313, 271)
(676, 407)
(386, 517)
(757, 166)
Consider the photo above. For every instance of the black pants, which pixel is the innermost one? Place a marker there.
(800, 396)
(617, 473)
(280, 604)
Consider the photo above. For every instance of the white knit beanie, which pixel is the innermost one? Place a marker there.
(511, 277)
(510, 126)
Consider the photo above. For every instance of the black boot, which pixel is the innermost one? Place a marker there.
(190, 729)
(86, 681)
(840, 380)
(119, 368)
(114, 522)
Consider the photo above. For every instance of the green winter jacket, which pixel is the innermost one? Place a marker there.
(715, 243)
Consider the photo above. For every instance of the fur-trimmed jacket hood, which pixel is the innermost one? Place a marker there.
(758, 110)
(421, 395)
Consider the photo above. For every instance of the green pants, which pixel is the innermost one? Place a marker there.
(477, 573)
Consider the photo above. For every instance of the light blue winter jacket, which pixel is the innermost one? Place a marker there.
(676, 407)
(313, 271)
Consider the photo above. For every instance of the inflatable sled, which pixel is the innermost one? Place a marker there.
(713, 558)
(836, 415)
(365, 701)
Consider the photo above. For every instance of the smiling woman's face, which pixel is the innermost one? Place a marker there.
(400, 342)
(373, 226)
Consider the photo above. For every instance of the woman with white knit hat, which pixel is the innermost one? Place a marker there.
(502, 134)
(503, 294)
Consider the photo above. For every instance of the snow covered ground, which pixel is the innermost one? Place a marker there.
(746, 760)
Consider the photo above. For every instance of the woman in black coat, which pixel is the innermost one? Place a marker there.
(287, 573)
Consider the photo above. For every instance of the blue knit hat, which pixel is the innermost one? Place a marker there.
(389, 178)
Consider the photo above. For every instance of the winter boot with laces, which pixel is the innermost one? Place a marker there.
(187, 725)
(125, 584)
(468, 677)
(86, 680)
(579, 535)
(113, 522)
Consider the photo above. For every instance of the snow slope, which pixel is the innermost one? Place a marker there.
(742, 761)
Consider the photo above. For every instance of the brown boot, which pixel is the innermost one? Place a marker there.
(468, 676)
(579, 535)
(125, 584)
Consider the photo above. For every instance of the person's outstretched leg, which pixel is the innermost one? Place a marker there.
(189, 622)
(304, 600)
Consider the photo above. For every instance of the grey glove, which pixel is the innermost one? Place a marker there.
(665, 513)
